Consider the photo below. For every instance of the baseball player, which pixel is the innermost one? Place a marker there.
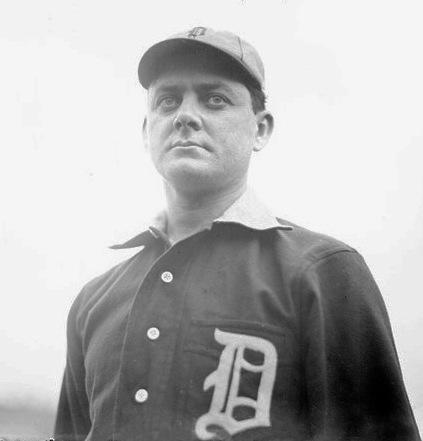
(227, 323)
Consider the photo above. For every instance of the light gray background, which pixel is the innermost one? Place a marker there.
(345, 85)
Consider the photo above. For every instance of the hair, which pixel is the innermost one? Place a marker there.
(221, 63)
(258, 97)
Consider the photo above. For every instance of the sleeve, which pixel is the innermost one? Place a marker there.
(72, 418)
(353, 381)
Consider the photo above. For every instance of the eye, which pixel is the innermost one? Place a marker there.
(216, 100)
(167, 102)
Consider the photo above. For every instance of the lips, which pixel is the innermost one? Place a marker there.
(187, 143)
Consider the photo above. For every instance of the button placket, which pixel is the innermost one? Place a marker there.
(159, 283)
(169, 270)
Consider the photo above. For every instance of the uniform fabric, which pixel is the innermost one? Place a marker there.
(267, 331)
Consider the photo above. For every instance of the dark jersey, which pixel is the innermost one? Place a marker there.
(238, 332)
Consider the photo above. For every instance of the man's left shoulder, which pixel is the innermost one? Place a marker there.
(307, 246)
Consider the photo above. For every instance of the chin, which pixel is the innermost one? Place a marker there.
(191, 179)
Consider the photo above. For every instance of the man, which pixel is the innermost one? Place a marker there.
(228, 324)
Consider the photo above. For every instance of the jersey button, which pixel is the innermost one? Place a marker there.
(153, 333)
(167, 276)
(141, 396)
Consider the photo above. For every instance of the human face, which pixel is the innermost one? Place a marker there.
(200, 129)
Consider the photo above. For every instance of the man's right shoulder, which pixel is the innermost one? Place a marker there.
(95, 288)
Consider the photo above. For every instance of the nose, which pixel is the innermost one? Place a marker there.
(187, 116)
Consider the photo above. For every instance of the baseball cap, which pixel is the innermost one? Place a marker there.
(230, 45)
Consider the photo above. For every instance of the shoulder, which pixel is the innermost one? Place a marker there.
(95, 288)
(322, 263)
(327, 267)
(307, 247)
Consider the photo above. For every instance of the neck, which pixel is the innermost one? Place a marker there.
(190, 213)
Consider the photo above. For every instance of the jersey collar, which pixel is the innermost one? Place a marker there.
(248, 210)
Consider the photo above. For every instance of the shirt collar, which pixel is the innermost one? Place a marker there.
(248, 210)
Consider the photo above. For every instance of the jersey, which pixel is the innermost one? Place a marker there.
(252, 329)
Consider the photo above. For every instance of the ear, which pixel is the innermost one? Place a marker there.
(264, 120)
(144, 134)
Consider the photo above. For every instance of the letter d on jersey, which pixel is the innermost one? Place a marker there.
(226, 381)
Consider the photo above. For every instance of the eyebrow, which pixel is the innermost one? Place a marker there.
(201, 87)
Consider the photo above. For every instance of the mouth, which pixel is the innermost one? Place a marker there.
(186, 144)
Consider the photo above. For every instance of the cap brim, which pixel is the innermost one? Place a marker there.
(155, 57)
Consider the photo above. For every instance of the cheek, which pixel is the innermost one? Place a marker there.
(154, 141)
(237, 134)
(157, 131)
(156, 128)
